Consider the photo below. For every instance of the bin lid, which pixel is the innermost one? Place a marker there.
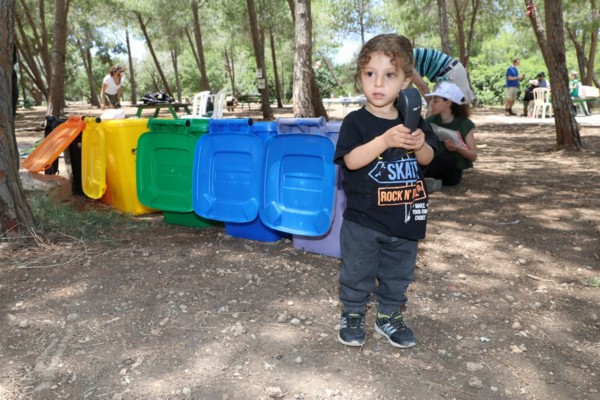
(164, 164)
(264, 129)
(227, 176)
(93, 159)
(42, 157)
(301, 125)
(168, 125)
(240, 125)
(198, 126)
(299, 184)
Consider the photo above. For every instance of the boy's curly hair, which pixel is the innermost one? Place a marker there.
(397, 47)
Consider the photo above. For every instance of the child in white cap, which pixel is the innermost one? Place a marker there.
(450, 120)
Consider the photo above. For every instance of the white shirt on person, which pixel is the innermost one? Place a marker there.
(111, 86)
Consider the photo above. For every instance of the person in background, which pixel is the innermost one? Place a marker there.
(574, 85)
(451, 113)
(439, 67)
(539, 82)
(386, 209)
(231, 102)
(112, 87)
(512, 84)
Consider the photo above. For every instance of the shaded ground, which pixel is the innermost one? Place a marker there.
(503, 305)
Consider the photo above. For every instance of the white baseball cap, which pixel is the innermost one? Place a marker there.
(449, 91)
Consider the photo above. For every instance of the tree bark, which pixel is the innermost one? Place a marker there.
(567, 129)
(275, 71)
(443, 18)
(15, 214)
(30, 65)
(331, 70)
(306, 99)
(164, 81)
(204, 84)
(192, 47)
(132, 84)
(86, 57)
(230, 65)
(56, 98)
(259, 55)
(591, 61)
(176, 72)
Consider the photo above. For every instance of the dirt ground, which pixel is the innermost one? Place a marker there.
(505, 303)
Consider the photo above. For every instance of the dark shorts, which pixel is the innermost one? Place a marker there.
(113, 100)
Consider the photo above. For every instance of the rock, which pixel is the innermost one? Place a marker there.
(56, 187)
(515, 349)
(472, 367)
(475, 382)
(72, 317)
(12, 319)
(298, 360)
(187, 393)
(274, 391)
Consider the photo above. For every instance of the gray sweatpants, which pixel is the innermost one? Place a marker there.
(368, 255)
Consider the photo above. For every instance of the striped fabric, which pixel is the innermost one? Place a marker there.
(429, 62)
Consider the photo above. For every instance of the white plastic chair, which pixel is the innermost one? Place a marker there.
(198, 105)
(541, 102)
(219, 104)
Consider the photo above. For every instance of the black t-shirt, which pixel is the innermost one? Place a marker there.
(388, 194)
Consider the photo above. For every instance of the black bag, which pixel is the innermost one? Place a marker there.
(156, 98)
(51, 124)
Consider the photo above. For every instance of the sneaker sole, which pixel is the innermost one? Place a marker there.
(382, 333)
(353, 344)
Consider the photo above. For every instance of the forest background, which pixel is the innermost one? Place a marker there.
(198, 45)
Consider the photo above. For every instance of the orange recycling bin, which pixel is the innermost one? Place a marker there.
(42, 157)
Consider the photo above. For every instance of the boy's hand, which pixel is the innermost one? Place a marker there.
(400, 136)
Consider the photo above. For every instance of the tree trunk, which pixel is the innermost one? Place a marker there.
(204, 84)
(45, 44)
(567, 129)
(40, 39)
(292, 10)
(28, 60)
(587, 79)
(443, 18)
(164, 81)
(306, 99)
(56, 98)
(230, 65)
(259, 55)
(15, 214)
(176, 72)
(331, 70)
(132, 84)
(275, 72)
(192, 47)
(86, 57)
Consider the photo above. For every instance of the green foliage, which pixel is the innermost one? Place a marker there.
(501, 33)
(594, 282)
(63, 219)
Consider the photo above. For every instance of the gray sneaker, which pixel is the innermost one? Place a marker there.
(433, 185)
(352, 328)
(395, 330)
